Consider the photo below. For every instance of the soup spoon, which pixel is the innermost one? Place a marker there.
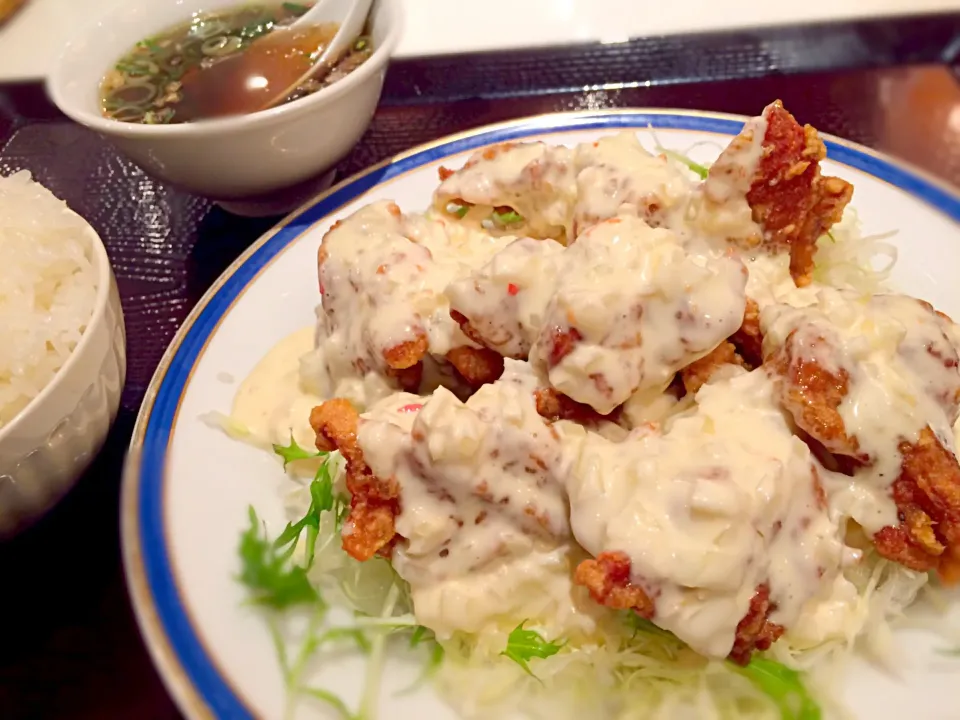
(350, 15)
(272, 67)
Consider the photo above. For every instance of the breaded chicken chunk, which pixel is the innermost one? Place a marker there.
(698, 373)
(374, 502)
(876, 382)
(774, 164)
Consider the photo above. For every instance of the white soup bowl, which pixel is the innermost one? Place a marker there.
(233, 158)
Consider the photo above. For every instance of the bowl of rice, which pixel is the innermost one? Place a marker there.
(62, 355)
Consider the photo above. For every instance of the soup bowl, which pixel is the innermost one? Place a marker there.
(230, 159)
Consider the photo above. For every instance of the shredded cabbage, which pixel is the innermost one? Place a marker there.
(846, 259)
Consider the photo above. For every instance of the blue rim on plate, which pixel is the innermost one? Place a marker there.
(189, 672)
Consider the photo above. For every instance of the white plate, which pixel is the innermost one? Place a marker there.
(187, 486)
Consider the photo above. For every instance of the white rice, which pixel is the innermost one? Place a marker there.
(47, 288)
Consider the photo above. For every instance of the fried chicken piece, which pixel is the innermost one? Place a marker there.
(698, 373)
(790, 200)
(755, 631)
(469, 330)
(554, 405)
(812, 395)
(560, 343)
(408, 353)
(608, 579)
(749, 338)
(478, 366)
(927, 495)
(374, 503)
(407, 378)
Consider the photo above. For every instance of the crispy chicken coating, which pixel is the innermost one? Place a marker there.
(608, 579)
(812, 395)
(407, 378)
(478, 366)
(755, 631)
(408, 353)
(698, 373)
(927, 494)
(749, 338)
(927, 490)
(790, 199)
(554, 405)
(374, 502)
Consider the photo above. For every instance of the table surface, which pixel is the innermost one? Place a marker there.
(33, 38)
(70, 647)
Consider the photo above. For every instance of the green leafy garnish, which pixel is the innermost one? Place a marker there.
(524, 645)
(322, 499)
(642, 625)
(507, 217)
(295, 8)
(782, 685)
(420, 635)
(360, 44)
(701, 170)
(269, 576)
(293, 452)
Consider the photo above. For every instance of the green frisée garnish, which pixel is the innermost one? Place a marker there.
(293, 452)
(269, 576)
(524, 645)
(288, 589)
(323, 498)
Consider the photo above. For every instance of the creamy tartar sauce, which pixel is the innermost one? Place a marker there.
(272, 401)
(617, 176)
(484, 514)
(722, 209)
(535, 179)
(903, 377)
(719, 502)
(382, 281)
(632, 306)
(505, 300)
(619, 311)
(560, 191)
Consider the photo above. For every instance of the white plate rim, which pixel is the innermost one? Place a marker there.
(186, 667)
